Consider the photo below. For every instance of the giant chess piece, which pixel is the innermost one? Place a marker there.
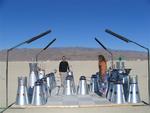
(118, 93)
(53, 80)
(33, 74)
(126, 82)
(110, 90)
(32, 79)
(38, 95)
(22, 96)
(134, 95)
(126, 86)
(82, 87)
(68, 89)
(49, 80)
(70, 73)
(45, 88)
(94, 84)
(51, 83)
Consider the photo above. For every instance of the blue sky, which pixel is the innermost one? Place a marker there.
(75, 23)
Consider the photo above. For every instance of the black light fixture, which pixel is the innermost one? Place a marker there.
(37, 55)
(106, 50)
(7, 57)
(31, 40)
(147, 49)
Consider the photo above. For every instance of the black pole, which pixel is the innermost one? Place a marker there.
(107, 51)
(148, 56)
(147, 49)
(36, 57)
(16, 46)
(7, 55)
(8, 107)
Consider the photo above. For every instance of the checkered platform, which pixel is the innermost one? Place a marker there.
(77, 101)
(92, 99)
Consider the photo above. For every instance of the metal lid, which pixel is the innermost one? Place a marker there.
(118, 82)
(82, 78)
(68, 77)
(38, 82)
(94, 76)
(50, 74)
(44, 78)
(127, 70)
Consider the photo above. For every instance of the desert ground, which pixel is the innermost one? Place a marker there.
(86, 68)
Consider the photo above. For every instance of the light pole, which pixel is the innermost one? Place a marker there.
(37, 55)
(107, 51)
(7, 57)
(147, 49)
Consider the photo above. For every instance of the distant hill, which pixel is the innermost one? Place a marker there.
(72, 53)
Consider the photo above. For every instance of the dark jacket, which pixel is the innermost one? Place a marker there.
(63, 66)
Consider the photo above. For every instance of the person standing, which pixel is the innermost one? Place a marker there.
(102, 64)
(102, 67)
(63, 69)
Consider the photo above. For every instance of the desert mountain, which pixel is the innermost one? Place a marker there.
(72, 53)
